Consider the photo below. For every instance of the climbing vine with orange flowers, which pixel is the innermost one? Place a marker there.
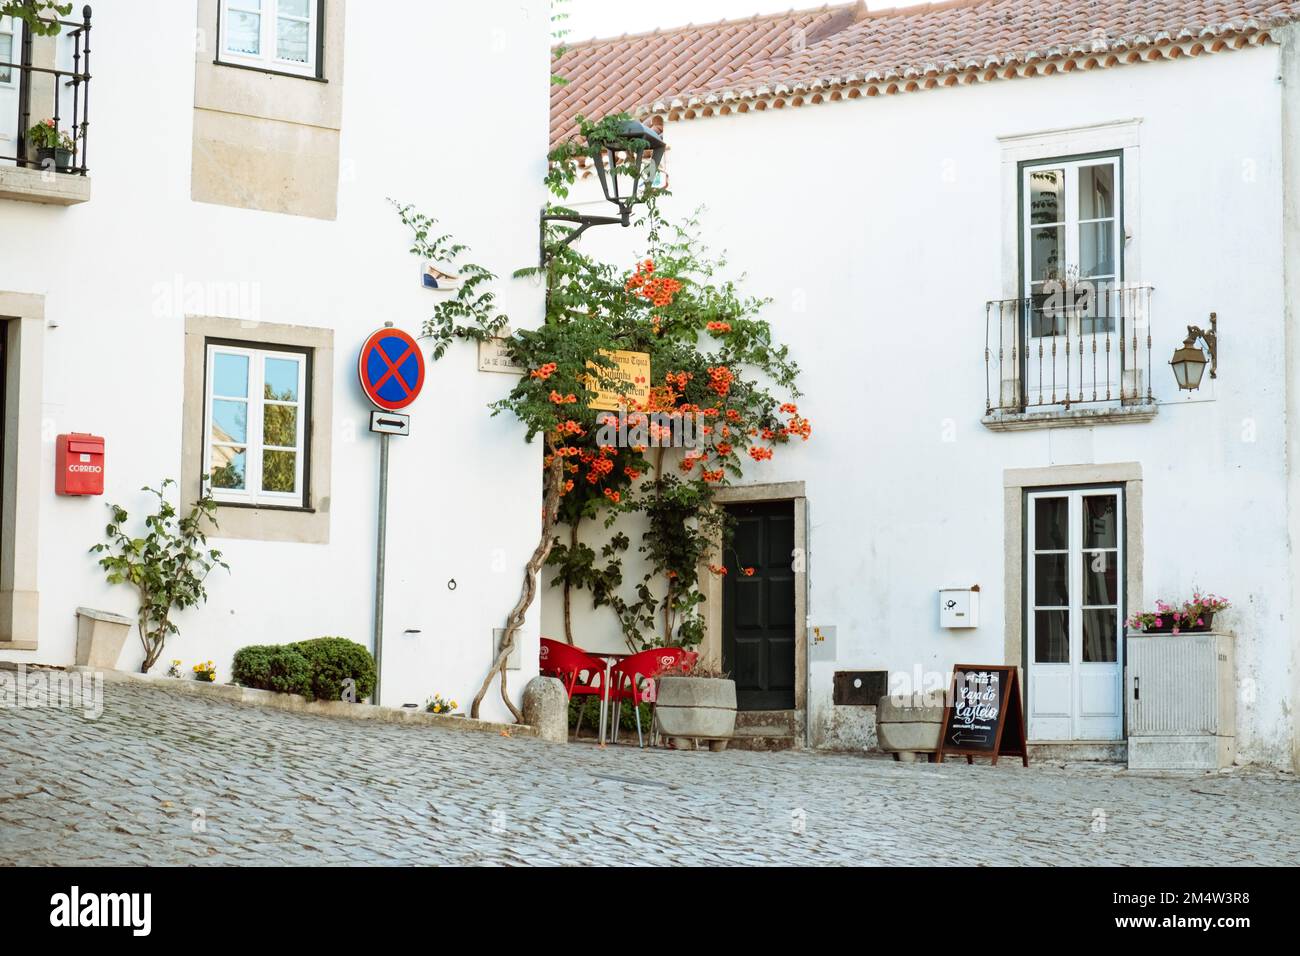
(716, 373)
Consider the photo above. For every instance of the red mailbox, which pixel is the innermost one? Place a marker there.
(80, 465)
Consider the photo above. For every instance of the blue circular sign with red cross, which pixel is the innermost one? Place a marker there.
(391, 369)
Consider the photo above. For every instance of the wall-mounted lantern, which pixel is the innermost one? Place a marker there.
(624, 178)
(1189, 361)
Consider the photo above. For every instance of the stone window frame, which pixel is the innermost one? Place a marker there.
(22, 322)
(310, 523)
(1119, 137)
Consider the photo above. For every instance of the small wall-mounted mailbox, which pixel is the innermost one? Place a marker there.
(959, 607)
(79, 464)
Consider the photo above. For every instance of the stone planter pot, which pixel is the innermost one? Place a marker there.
(100, 636)
(697, 708)
(909, 728)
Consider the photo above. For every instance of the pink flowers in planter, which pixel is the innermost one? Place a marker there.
(1191, 616)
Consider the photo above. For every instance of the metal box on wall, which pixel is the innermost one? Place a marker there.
(959, 607)
(1181, 697)
(79, 464)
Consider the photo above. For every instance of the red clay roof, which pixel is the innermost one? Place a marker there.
(620, 73)
(941, 37)
(847, 44)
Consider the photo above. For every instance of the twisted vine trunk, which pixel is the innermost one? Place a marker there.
(568, 588)
(551, 485)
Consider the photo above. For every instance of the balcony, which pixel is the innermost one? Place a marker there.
(45, 80)
(1068, 357)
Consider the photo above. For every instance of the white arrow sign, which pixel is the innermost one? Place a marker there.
(390, 423)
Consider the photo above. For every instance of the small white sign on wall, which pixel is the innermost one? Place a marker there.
(492, 357)
(821, 642)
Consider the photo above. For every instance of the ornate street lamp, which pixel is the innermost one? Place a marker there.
(624, 178)
(1189, 361)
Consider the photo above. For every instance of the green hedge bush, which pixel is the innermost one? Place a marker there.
(333, 660)
(277, 667)
(316, 668)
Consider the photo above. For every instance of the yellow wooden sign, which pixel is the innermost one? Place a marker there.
(632, 375)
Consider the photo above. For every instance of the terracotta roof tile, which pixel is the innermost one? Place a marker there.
(843, 45)
(615, 75)
(941, 37)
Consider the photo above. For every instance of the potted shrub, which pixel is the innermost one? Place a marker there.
(51, 144)
(697, 705)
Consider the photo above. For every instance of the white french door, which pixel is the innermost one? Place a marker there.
(1072, 254)
(1074, 593)
(10, 52)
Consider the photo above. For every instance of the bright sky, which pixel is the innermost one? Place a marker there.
(605, 18)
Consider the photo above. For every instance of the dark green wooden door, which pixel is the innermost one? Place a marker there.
(758, 609)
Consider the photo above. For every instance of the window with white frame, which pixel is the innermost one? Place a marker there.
(256, 425)
(279, 35)
(8, 49)
(1071, 244)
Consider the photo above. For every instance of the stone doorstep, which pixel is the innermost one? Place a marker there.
(295, 703)
(774, 722)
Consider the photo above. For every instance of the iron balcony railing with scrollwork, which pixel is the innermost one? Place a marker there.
(69, 90)
(1064, 347)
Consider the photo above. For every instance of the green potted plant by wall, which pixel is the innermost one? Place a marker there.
(51, 144)
(167, 564)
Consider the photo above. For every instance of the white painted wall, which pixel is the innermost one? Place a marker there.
(422, 93)
(879, 265)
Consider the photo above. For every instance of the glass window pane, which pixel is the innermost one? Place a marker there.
(280, 425)
(1046, 246)
(291, 40)
(294, 8)
(1099, 513)
(1051, 524)
(1097, 192)
(1099, 307)
(278, 470)
(244, 32)
(1097, 248)
(229, 421)
(1100, 581)
(230, 375)
(6, 56)
(1046, 196)
(1051, 580)
(1100, 637)
(227, 469)
(282, 379)
(1051, 637)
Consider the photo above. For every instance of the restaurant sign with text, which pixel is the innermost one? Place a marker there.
(631, 372)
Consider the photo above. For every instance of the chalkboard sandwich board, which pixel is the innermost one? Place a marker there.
(983, 716)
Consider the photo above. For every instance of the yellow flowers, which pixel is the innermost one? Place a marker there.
(439, 705)
(205, 671)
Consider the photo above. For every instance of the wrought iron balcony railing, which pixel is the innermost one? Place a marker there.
(66, 91)
(1064, 347)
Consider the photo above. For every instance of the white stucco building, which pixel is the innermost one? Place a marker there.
(231, 237)
(888, 178)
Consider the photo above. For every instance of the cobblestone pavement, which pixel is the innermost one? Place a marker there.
(161, 778)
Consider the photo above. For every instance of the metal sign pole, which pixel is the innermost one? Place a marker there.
(380, 549)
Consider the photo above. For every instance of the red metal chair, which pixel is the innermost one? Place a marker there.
(633, 678)
(580, 672)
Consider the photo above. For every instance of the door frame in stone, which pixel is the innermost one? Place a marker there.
(1016, 482)
(22, 322)
(711, 584)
